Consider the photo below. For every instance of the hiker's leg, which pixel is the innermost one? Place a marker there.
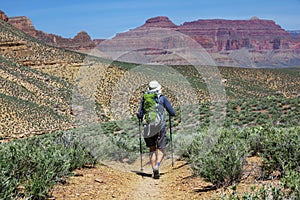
(151, 143)
(159, 156)
(153, 156)
(154, 163)
(161, 145)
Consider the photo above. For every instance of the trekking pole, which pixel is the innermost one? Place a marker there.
(171, 141)
(141, 150)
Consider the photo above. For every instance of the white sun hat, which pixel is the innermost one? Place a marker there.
(154, 86)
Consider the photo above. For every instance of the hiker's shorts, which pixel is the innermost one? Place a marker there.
(159, 140)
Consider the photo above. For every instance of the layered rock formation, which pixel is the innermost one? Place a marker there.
(161, 21)
(23, 23)
(244, 43)
(82, 41)
(235, 34)
(221, 35)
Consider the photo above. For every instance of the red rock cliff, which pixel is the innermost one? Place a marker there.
(217, 35)
(81, 41)
(220, 35)
(261, 42)
(3, 16)
(23, 23)
(161, 21)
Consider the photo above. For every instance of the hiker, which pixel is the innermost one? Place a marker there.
(155, 138)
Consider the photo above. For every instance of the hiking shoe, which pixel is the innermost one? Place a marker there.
(156, 174)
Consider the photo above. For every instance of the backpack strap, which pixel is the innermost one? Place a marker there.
(158, 97)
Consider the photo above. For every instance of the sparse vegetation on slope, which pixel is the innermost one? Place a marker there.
(31, 101)
(240, 84)
(34, 102)
(28, 51)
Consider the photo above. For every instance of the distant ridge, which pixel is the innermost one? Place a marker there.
(265, 42)
(223, 35)
(294, 32)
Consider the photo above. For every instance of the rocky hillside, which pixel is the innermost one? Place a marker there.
(32, 101)
(26, 50)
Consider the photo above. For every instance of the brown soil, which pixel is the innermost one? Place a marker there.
(122, 181)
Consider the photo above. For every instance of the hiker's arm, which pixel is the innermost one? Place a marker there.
(169, 107)
(140, 113)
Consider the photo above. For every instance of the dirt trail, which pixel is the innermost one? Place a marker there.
(115, 180)
(122, 181)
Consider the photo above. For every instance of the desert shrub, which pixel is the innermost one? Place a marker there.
(281, 149)
(291, 180)
(220, 161)
(182, 140)
(281, 153)
(115, 140)
(126, 147)
(29, 168)
(254, 137)
(265, 192)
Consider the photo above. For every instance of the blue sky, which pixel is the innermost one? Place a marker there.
(103, 19)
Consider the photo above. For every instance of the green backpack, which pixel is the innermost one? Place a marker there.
(154, 116)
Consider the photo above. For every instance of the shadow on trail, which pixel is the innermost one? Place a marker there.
(205, 188)
(180, 166)
(143, 174)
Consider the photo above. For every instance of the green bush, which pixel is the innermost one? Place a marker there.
(266, 192)
(281, 149)
(291, 180)
(117, 141)
(281, 153)
(221, 161)
(29, 168)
